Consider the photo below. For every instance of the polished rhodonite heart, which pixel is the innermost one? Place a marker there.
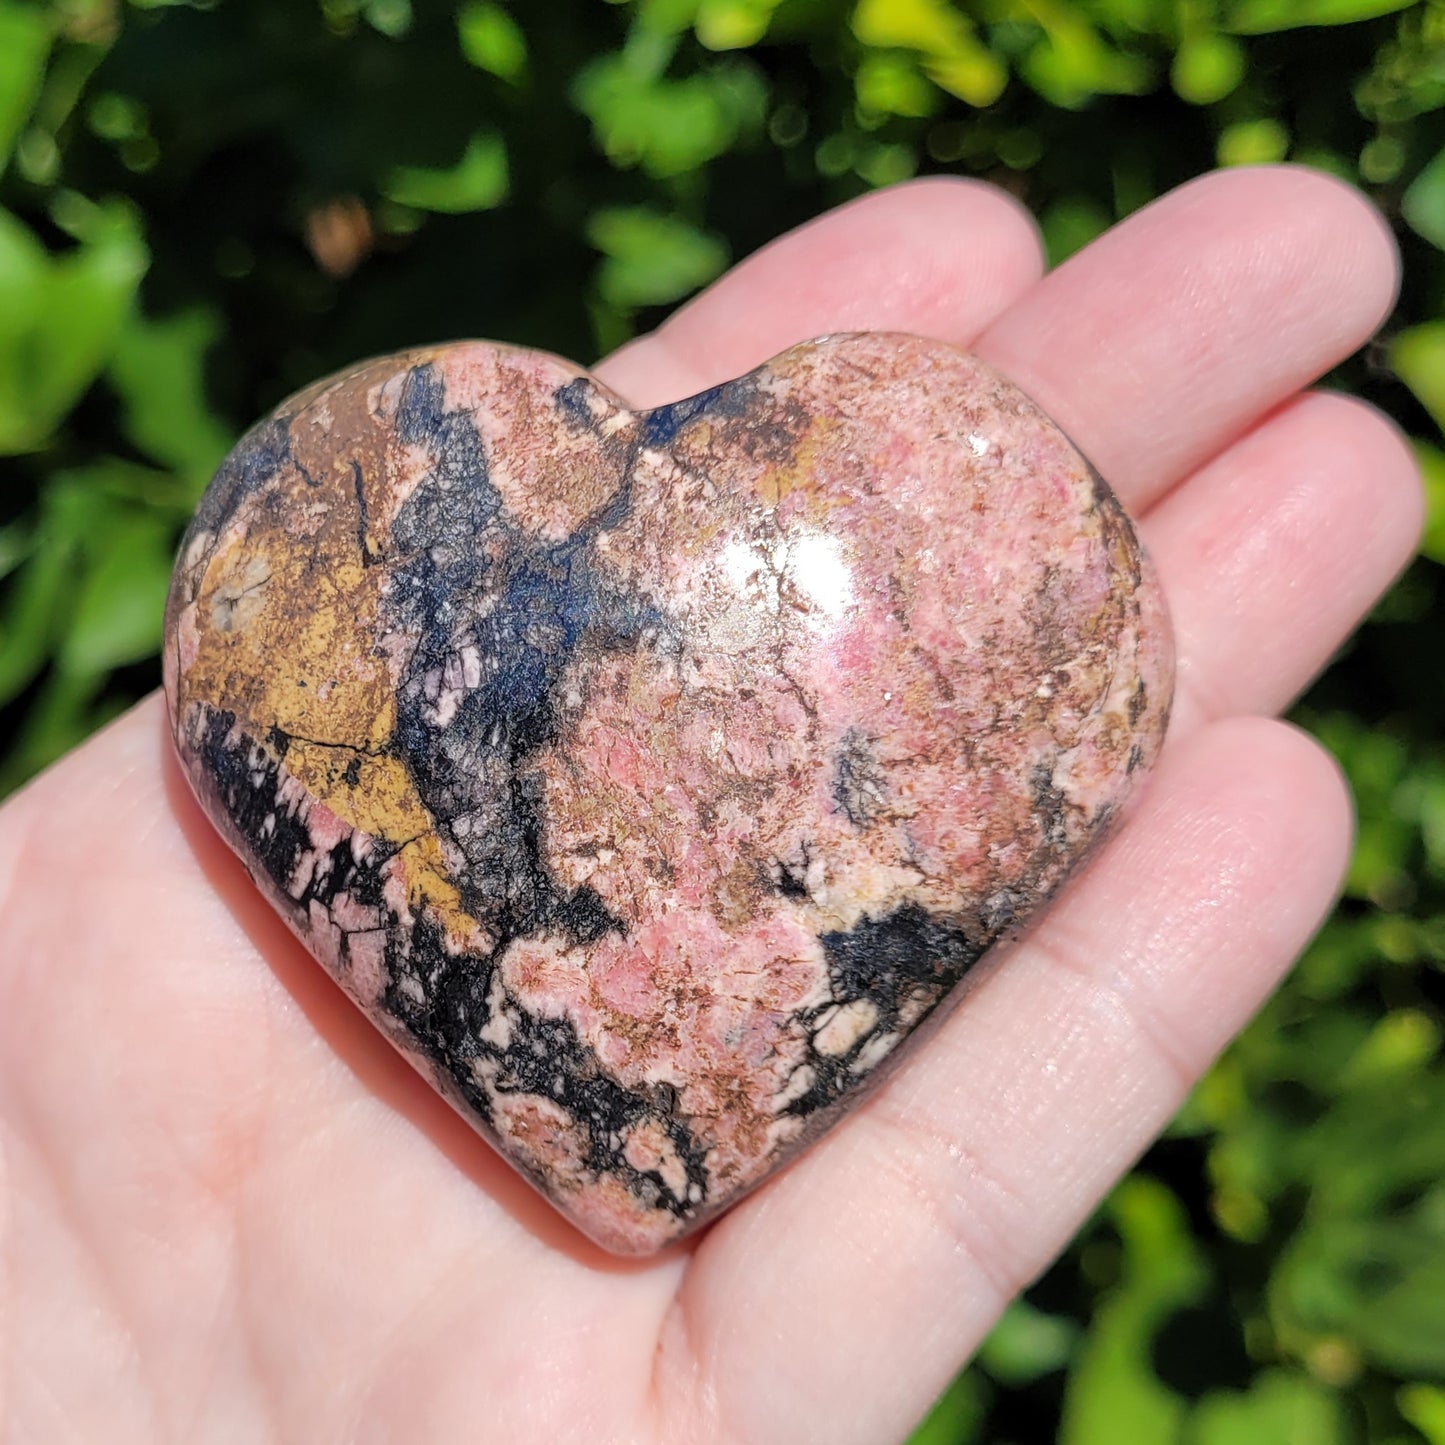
(649, 777)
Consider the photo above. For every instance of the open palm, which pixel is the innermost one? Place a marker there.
(229, 1212)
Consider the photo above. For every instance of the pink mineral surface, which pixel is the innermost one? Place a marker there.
(649, 777)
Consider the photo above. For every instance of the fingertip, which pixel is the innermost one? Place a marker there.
(1274, 551)
(969, 210)
(1382, 452)
(1352, 210)
(1303, 811)
(1326, 223)
(930, 223)
(1172, 334)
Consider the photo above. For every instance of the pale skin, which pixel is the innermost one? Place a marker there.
(228, 1212)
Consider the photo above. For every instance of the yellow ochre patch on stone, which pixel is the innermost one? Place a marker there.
(291, 651)
(429, 884)
(374, 794)
(285, 624)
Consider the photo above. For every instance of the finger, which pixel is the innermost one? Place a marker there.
(857, 1281)
(939, 257)
(1162, 341)
(1277, 548)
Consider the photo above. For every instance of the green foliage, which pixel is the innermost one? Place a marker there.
(1279, 1408)
(206, 205)
(1424, 1407)
(1113, 1391)
(61, 316)
(650, 257)
(1255, 17)
(477, 182)
(1423, 204)
(492, 40)
(24, 45)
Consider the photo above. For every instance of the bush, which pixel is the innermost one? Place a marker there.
(206, 205)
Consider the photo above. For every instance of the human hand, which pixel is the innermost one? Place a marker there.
(229, 1211)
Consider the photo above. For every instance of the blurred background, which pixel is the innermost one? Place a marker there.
(205, 204)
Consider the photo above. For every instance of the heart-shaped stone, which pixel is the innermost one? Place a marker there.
(650, 777)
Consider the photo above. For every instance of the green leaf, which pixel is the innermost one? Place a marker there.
(1207, 68)
(491, 40)
(15, 544)
(1401, 1043)
(25, 32)
(121, 598)
(1424, 1407)
(957, 1417)
(651, 258)
(1418, 358)
(665, 17)
(39, 598)
(1256, 17)
(90, 295)
(1423, 204)
(1072, 63)
(477, 182)
(733, 24)
(930, 26)
(889, 83)
(1252, 143)
(28, 620)
(1377, 1282)
(1113, 1394)
(953, 56)
(391, 18)
(1069, 224)
(63, 318)
(668, 127)
(974, 74)
(91, 588)
(158, 370)
(1027, 1343)
(1432, 473)
(1377, 1144)
(1279, 1408)
(24, 279)
(886, 165)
